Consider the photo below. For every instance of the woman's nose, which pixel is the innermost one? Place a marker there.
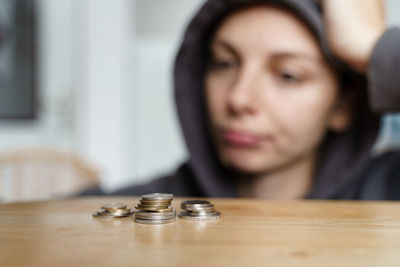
(242, 98)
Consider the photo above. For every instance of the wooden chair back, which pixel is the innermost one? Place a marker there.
(43, 173)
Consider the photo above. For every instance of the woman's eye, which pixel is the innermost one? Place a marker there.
(222, 64)
(289, 78)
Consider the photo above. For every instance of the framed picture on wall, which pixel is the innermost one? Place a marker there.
(17, 59)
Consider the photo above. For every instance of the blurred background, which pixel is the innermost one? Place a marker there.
(92, 94)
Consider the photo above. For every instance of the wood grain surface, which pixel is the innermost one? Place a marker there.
(249, 233)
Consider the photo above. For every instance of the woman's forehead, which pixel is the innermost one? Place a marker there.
(263, 29)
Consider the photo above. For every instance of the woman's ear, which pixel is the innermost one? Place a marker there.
(341, 116)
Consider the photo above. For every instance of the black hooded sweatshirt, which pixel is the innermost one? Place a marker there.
(345, 170)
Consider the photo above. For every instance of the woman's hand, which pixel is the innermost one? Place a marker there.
(353, 28)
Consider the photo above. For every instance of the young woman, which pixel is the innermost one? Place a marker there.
(276, 100)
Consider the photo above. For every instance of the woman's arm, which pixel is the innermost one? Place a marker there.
(357, 34)
(353, 28)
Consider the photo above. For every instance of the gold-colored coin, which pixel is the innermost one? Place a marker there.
(154, 209)
(154, 206)
(113, 211)
(147, 202)
(114, 207)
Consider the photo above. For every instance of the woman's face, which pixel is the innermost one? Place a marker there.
(271, 95)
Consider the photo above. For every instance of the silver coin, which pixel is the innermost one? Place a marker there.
(199, 214)
(155, 218)
(200, 209)
(144, 217)
(156, 221)
(150, 213)
(192, 204)
(185, 216)
(205, 214)
(157, 196)
(111, 215)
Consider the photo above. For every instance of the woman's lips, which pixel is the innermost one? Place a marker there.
(241, 138)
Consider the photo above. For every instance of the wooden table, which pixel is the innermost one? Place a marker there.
(250, 233)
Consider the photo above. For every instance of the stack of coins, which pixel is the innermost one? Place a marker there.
(155, 209)
(113, 211)
(198, 210)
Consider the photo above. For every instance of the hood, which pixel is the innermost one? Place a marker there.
(342, 157)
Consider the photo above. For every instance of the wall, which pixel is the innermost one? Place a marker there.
(55, 85)
(392, 12)
(126, 86)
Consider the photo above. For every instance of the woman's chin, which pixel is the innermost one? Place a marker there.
(251, 164)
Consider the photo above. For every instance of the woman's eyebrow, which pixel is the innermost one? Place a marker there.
(296, 55)
(224, 44)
